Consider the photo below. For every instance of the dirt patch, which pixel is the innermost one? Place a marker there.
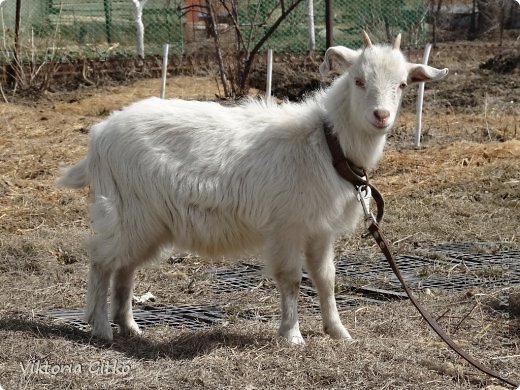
(502, 63)
(463, 185)
(288, 83)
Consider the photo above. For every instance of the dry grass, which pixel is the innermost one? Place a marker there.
(463, 186)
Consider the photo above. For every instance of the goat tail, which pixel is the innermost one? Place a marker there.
(75, 176)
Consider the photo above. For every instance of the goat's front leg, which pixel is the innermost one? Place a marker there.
(285, 261)
(320, 265)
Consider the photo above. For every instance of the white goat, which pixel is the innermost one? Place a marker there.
(222, 180)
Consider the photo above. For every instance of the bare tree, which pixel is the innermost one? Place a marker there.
(263, 20)
(139, 26)
(218, 49)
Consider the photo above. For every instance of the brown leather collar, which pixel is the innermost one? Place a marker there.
(348, 171)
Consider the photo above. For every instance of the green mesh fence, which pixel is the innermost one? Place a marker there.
(88, 28)
(383, 19)
(106, 28)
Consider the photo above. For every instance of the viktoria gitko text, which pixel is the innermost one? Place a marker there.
(99, 367)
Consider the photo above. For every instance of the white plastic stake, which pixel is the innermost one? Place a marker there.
(269, 73)
(310, 25)
(164, 69)
(420, 97)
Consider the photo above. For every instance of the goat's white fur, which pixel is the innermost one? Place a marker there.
(223, 180)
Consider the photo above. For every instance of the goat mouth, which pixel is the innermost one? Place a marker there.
(381, 125)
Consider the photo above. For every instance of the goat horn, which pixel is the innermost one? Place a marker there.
(366, 40)
(397, 42)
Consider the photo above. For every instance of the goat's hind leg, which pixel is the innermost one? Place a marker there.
(284, 262)
(121, 272)
(96, 310)
(122, 292)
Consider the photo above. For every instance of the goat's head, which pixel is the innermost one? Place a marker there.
(376, 78)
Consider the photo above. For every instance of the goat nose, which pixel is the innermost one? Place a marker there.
(381, 115)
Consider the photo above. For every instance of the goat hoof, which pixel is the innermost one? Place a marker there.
(296, 340)
(338, 332)
(103, 332)
(130, 330)
(293, 338)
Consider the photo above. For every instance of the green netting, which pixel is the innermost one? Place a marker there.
(384, 19)
(106, 28)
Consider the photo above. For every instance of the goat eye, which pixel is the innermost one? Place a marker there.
(360, 83)
(403, 85)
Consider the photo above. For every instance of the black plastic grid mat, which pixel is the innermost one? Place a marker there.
(246, 276)
(242, 276)
(480, 255)
(486, 264)
(176, 316)
(380, 269)
(463, 266)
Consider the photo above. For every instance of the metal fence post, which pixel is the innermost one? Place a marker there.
(17, 29)
(107, 5)
(269, 73)
(310, 25)
(164, 70)
(329, 23)
(420, 98)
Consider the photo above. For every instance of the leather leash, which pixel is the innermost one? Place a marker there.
(358, 177)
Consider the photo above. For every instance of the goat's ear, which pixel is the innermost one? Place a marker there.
(418, 73)
(342, 57)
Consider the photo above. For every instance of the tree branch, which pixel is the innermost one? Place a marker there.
(223, 76)
(234, 20)
(267, 35)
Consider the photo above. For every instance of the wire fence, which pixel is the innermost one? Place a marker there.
(97, 29)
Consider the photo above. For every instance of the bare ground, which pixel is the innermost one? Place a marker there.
(463, 185)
